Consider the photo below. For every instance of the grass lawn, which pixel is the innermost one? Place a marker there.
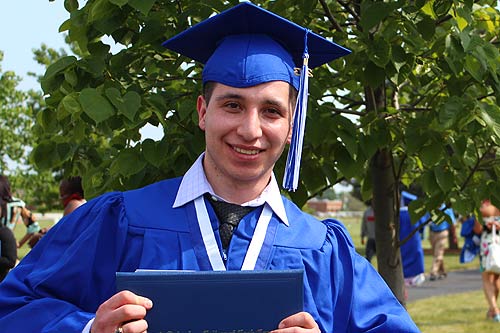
(457, 313)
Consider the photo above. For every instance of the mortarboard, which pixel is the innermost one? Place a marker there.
(245, 46)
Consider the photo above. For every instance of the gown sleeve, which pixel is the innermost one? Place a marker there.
(59, 285)
(361, 294)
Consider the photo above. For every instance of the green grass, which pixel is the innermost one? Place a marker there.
(457, 313)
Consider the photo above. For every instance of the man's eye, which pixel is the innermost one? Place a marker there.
(232, 105)
(272, 111)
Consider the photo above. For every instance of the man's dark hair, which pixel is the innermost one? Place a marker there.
(73, 185)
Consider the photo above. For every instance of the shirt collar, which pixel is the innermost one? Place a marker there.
(195, 184)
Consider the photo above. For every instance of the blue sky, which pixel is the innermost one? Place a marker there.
(24, 26)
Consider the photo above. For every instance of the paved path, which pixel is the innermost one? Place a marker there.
(456, 282)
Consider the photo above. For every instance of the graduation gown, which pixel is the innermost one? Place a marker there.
(59, 285)
(412, 252)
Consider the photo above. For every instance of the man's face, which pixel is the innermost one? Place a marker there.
(246, 130)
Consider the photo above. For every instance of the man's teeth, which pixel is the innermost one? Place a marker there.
(247, 151)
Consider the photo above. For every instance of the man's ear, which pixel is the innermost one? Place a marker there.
(201, 107)
(290, 132)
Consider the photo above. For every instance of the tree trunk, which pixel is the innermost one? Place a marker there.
(386, 208)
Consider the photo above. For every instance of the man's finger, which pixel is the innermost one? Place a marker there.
(301, 319)
(127, 297)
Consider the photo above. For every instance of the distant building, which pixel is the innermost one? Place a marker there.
(325, 205)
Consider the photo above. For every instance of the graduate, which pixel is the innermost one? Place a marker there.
(249, 113)
(412, 252)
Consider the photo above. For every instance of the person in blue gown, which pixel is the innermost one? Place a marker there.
(412, 252)
(67, 282)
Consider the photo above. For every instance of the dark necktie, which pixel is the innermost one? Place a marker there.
(229, 216)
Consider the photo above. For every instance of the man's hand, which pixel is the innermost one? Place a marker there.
(301, 322)
(124, 309)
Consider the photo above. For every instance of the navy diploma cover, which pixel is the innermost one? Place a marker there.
(216, 301)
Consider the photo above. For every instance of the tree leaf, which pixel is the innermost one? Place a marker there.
(119, 3)
(144, 6)
(444, 178)
(71, 5)
(127, 105)
(426, 27)
(96, 106)
(431, 154)
(450, 111)
(441, 7)
(71, 104)
(132, 103)
(48, 80)
(346, 164)
(45, 155)
(372, 13)
(128, 163)
(100, 9)
(48, 119)
(151, 152)
(380, 52)
(491, 116)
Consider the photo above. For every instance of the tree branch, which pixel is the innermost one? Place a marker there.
(350, 11)
(356, 113)
(448, 205)
(321, 190)
(328, 14)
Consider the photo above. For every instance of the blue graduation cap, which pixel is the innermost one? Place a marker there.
(245, 46)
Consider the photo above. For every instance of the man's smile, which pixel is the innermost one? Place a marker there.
(247, 151)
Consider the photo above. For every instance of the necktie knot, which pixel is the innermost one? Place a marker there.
(229, 216)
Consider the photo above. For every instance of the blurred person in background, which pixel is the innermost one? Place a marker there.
(15, 211)
(368, 231)
(71, 194)
(491, 281)
(8, 247)
(438, 237)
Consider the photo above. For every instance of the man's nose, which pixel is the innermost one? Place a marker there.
(250, 128)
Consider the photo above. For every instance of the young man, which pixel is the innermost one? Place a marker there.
(246, 112)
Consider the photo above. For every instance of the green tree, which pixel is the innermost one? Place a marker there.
(39, 189)
(422, 84)
(16, 120)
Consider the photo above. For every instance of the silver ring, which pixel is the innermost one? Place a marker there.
(119, 329)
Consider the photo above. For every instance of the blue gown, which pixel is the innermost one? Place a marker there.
(412, 252)
(59, 285)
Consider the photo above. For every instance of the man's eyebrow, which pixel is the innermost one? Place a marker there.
(229, 95)
(274, 102)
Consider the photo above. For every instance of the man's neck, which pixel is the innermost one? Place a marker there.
(236, 191)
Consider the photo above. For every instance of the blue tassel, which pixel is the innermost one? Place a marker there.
(292, 169)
